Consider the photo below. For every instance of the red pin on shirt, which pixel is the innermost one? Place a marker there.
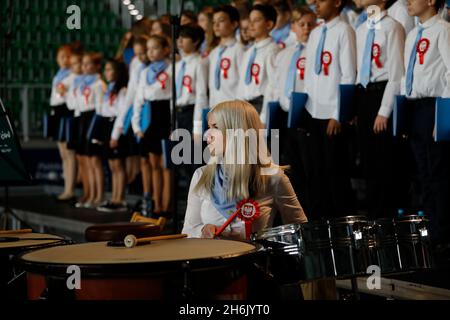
(422, 48)
(112, 98)
(225, 65)
(327, 58)
(162, 78)
(376, 54)
(301, 67)
(248, 211)
(255, 72)
(187, 82)
(86, 94)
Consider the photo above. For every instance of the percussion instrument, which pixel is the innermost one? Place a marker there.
(413, 242)
(165, 269)
(14, 244)
(384, 248)
(117, 231)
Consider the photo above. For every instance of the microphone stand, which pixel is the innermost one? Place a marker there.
(175, 21)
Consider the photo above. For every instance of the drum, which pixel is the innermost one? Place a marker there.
(350, 237)
(166, 269)
(283, 258)
(413, 242)
(318, 252)
(384, 248)
(11, 285)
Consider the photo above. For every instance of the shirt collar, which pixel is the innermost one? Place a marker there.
(332, 23)
(190, 57)
(372, 22)
(430, 22)
(263, 43)
(229, 43)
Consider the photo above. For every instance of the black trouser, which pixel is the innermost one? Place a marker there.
(433, 162)
(327, 172)
(376, 150)
(185, 117)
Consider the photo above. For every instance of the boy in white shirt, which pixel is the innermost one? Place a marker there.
(258, 63)
(282, 34)
(330, 61)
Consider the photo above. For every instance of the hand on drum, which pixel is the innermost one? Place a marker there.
(209, 231)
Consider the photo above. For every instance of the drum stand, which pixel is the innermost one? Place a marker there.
(355, 292)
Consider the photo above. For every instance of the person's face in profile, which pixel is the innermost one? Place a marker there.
(214, 137)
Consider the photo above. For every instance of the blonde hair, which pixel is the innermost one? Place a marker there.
(300, 11)
(245, 177)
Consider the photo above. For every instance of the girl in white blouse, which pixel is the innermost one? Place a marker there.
(232, 176)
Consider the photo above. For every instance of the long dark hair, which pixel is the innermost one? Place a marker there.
(121, 71)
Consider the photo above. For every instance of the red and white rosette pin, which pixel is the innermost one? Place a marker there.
(187, 82)
(248, 212)
(86, 93)
(282, 45)
(327, 58)
(162, 78)
(301, 67)
(225, 65)
(422, 48)
(255, 72)
(112, 98)
(376, 54)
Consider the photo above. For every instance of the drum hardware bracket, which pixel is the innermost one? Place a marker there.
(16, 277)
(187, 291)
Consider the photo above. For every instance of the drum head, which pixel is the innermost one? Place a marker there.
(25, 245)
(159, 256)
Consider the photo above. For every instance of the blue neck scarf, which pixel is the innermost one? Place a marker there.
(87, 81)
(281, 34)
(154, 70)
(77, 81)
(219, 196)
(108, 93)
(60, 76)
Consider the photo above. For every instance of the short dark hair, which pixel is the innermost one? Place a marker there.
(439, 4)
(121, 71)
(389, 3)
(267, 11)
(230, 11)
(193, 32)
(282, 6)
(343, 5)
(190, 15)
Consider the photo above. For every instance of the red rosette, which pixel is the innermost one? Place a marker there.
(162, 78)
(282, 45)
(422, 48)
(327, 58)
(112, 98)
(225, 65)
(248, 211)
(255, 70)
(187, 82)
(301, 67)
(376, 54)
(86, 93)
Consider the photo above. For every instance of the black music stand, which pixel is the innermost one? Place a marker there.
(12, 167)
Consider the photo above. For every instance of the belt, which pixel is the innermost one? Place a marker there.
(373, 86)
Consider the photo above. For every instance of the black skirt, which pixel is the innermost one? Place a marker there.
(158, 129)
(84, 121)
(54, 122)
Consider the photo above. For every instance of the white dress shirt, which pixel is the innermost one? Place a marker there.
(323, 89)
(432, 78)
(159, 90)
(197, 71)
(390, 38)
(93, 100)
(229, 85)
(399, 12)
(278, 197)
(57, 99)
(71, 98)
(266, 52)
(136, 68)
(284, 59)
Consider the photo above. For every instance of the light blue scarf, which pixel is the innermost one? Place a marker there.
(154, 70)
(219, 196)
(60, 76)
(281, 34)
(87, 81)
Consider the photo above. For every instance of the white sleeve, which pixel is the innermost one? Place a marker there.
(98, 96)
(201, 99)
(121, 113)
(193, 223)
(138, 104)
(270, 93)
(395, 48)
(444, 49)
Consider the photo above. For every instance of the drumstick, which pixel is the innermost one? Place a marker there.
(226, 224)
(16, 231)
(131, 241)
